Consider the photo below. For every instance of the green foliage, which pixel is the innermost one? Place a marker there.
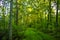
(31, 34)
(33, 21)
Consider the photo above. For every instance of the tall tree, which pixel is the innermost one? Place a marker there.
(3, 14)
(57, 13)
(16, 20)
(10, 20)
(49, 14)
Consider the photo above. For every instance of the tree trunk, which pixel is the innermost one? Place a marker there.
(57, 14)
(49, 13)
(16, 20)
(10, 20)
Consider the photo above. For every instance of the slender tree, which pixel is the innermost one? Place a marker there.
(16, 19)
(57, 13)
(3, 14)
(57, 2)
(10, 20)
(49, 14)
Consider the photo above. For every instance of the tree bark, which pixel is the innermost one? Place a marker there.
(49, 13)
(10, 20)
(16, 20)
(57, 14)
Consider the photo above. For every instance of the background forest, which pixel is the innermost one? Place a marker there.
(29, 19)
